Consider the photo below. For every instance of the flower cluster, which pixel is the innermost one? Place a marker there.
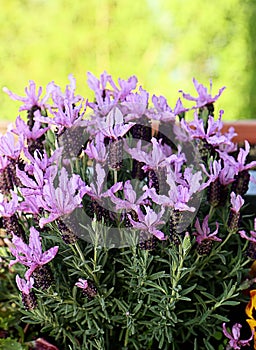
(80, 179)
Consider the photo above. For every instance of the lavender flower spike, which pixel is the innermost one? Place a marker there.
(234, 337)
(28, 296)
(31, 255)
(88, 288)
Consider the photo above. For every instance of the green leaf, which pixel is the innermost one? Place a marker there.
(208, 345)
(220, 317)
(10, 344)
(230, 302)
(218, 335)
(209, 296)
(189, 289)
(157, 275)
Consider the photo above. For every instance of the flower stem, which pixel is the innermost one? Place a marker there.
(79, 251)
(115, 176)
(176, 276)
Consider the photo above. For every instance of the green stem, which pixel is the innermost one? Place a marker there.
(176, 278)
(115, 176)
(79, 251)
(126, 338)
(211, 212)
(223, 242)
(194, 268)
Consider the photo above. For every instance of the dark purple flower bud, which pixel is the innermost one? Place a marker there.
(67, 234)
(43, 277)
(147, 241)
(241, 183)
(115, 155)
(214, 193)
(175, 217)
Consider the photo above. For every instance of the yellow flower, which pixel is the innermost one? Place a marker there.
(251, 313)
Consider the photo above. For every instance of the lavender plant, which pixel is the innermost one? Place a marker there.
(126, 218)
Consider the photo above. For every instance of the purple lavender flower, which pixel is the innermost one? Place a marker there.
(9, 208)
(88, 288)
(83, 284)
(9, 212)
(28, 296)
(224, 174)
(214, 170)
(31, 255)
(130, 201)
(68, 96)
(239, 164)
(203, 233)
(149, 222)
(158, 156)
(65, 117)
(251, 238)
(163, 112)
(234, 215)
(30, 205)
(181, 190)
(37, 172)
(113, 125)
(41, 160)
(126, 86)
(212, 134)
(227, 174)
(98, 86)
(96, 191)
(234, 337)
(105, 99)
(32, 185)
(23, 129)
(136, 104)
(32, 99)
(9, 148)
(62, 200)
(204, 97)
(24, 286)
(237, 202)
(96, 149)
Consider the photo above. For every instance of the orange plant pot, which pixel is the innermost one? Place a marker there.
(245, 129)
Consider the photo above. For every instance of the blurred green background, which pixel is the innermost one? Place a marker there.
(164, 42)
